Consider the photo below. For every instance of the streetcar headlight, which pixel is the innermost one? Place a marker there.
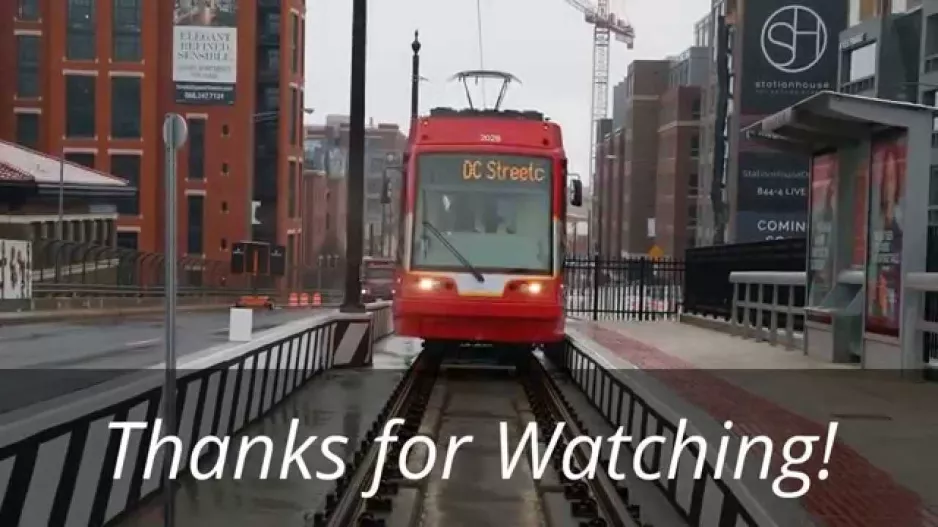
(426, 284)
(533, 288)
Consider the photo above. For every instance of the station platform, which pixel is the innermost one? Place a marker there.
(883, 468)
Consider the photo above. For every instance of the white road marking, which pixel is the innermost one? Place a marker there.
(141, 343)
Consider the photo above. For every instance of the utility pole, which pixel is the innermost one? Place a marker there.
(356, 163)
(415, 78)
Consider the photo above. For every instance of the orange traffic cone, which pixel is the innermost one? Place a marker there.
(317, 299)
(304, 300)
(293, 301)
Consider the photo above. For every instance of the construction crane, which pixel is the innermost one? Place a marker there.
(605, 24)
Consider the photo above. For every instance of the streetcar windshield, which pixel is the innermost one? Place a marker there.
(495, 210)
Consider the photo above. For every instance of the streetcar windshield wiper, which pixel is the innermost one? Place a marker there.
(462, 259)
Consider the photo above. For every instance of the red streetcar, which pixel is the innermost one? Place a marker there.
(484, 201)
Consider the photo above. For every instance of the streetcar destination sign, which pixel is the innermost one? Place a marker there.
(498, 170)
(485, 169)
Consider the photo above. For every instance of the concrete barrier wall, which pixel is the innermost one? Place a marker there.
(627, 402)
(57, 462)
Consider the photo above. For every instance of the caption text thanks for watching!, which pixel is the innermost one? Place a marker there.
(796, 452)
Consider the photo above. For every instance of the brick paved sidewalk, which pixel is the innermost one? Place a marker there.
(858, 492)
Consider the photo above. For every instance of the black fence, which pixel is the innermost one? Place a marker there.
(707, 287)
(81, 268)
(634, 288)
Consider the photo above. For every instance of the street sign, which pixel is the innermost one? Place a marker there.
(175, 131)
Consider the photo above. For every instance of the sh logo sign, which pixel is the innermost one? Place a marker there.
(794, 39)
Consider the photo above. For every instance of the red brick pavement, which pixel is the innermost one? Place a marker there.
(857, 493)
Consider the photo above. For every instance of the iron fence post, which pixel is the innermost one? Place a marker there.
(596, 288)
(642, 271)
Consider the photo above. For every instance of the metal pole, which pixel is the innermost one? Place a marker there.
(174, 134)
(60, 226)
(169, 399)
(356, 163)
(415, 79)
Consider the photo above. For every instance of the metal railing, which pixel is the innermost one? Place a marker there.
(632, 288)
(626, 402)
(707, 288)
(219, 394)
(924, 328)
(778, 296)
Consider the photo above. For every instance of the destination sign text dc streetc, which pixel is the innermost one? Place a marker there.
(497, 170)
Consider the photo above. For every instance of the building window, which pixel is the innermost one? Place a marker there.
(27, 130)
(126, 30)
(128, 240)
(295, 42)
(302, 47)
(28, 10)
(294, 115)
(291, 250)
(224, 244)
(128, 167)
(27, 66)
(695, 145)
(291, 191)
(695, 109)
(196, 149)
(125, 107)
(81, 158)
(79, 105)
(862, 62)
(196, 215)
(80, 33)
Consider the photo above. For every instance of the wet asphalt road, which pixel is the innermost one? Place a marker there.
(39, 362)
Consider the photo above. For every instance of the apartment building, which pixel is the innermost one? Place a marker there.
(643, 172)
(324, 194)
(92, 80)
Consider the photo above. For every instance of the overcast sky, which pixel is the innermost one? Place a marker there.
(545, 43)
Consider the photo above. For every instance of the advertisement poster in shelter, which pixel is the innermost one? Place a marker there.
(860, 196)
(822, 237)
(884, 265)
(205, 51)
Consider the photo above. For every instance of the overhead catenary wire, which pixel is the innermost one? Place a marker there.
(481, 47)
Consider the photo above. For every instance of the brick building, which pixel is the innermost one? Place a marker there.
(627, 161)
(644, 173)
(678, 153)
(324, 190)
(93, 79)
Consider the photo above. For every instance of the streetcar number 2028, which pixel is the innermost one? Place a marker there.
(491, 138)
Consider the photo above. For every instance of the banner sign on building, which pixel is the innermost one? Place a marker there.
(205, 51)
(772, 196)
(790, 51)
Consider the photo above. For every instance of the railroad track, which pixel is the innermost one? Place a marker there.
(439, 401)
